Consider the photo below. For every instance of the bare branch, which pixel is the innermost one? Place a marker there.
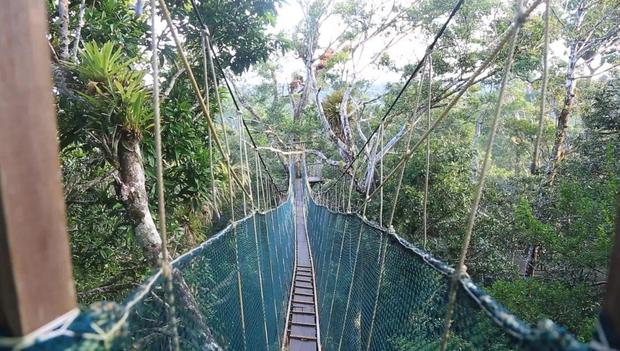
(325, 159)
(171, 84)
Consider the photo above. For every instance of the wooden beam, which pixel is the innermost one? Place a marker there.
(36, 285)
(611, 305)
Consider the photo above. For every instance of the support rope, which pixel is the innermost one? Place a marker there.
(230, 91)
(384, 243)
(407, 145)
(428, 152)
(417, 68)
(206, 79)
(471, 81)
(161, 202)
(351, 189)
(244, 174)
(480, 186)
(381, 133)
(217, 96)
(346, 310)
(192, 79)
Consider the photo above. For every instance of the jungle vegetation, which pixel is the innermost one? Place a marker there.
(544, 232)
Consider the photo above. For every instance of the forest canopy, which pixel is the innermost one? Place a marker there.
(334, 76)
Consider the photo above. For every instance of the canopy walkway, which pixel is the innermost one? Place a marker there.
(302, 324)
(374, 291)
(300, 276)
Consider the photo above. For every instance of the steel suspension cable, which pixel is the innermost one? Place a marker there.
(230, 90)
(161, 202)
(480, 186)
(471, 81)
(196, 89)
(543, 92)
(417, 68)
(428, 152)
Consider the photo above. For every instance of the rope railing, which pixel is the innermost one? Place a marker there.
(396, 293)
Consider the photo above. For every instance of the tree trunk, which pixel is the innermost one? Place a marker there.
(132, 192)
(560, 132)
(557, 154)
(474, 149)
(63, 13)
(78, 30)
(298, 109)
(530, 260)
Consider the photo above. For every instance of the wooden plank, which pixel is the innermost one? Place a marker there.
(302, 321)
(36, 285)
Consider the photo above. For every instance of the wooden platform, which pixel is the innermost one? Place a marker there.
(302, 332)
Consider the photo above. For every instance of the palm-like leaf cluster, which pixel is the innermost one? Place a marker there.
(114, 91)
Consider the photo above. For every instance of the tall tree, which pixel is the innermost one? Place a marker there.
(104, 107)
(338, 66)
(116, 111)
(592, 34)
(63, 13)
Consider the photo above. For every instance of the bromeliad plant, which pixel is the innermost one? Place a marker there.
(115, 113)
(115, 93)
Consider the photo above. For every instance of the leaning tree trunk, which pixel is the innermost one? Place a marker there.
(474, 149)
(560, 132)
(132, 192)
(557, 153)
(560, 137)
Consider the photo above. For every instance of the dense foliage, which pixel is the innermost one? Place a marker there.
(565, 208)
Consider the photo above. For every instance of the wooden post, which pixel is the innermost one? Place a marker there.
(611, 305)
(36, 285)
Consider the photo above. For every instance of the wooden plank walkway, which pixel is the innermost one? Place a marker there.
(302, 332)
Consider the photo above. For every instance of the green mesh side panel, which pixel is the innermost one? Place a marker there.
(375, 291)
(378, 292)
(232, 291)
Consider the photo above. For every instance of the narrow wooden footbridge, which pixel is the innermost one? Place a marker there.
(302, 332)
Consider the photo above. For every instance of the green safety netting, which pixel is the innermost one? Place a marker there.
(216, 281)
(376, 291)
(231, 292)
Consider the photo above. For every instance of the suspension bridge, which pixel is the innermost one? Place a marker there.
(299, 272)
